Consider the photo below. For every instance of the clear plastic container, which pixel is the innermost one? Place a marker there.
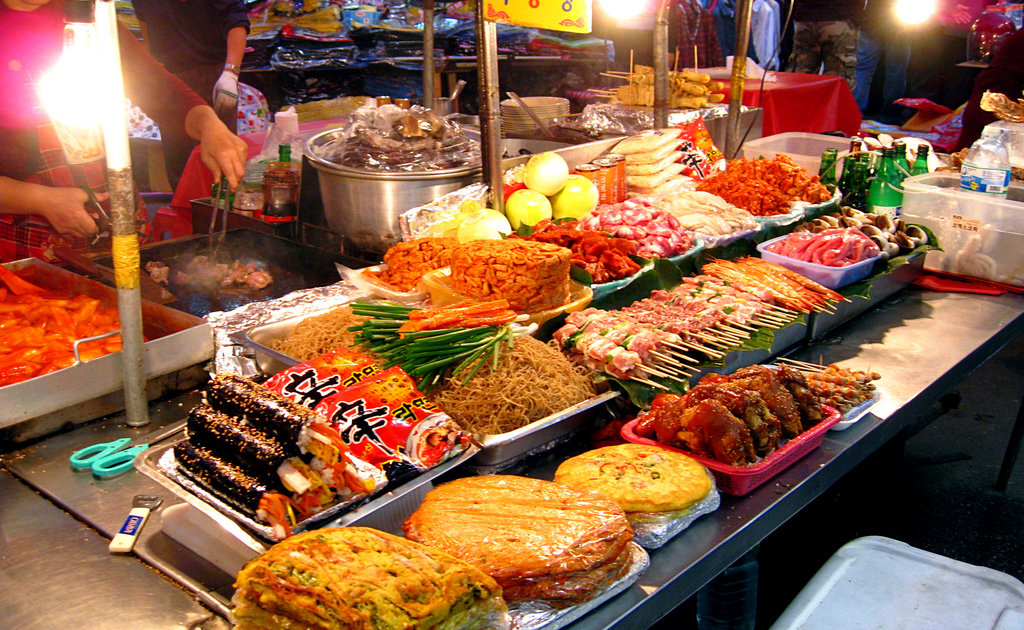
(804, 148)
(830, 277)
(981, 236)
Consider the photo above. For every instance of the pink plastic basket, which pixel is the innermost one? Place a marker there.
(739, 480)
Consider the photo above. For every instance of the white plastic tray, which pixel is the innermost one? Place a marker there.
(884, 584)
(851, 417)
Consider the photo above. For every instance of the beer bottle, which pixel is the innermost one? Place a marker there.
(827, 170)
(921, 162)
(885, 195)
(844, 180)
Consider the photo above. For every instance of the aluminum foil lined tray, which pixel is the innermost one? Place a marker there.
(537, 614)
(652, 530)
(497, 452)
(158, 463)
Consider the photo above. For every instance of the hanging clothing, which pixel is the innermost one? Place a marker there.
(696, 31)
(765, 33)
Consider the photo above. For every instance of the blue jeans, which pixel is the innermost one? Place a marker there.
(871, 45)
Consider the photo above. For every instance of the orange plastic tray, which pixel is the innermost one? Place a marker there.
(739, 480)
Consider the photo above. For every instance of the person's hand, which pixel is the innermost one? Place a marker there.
(225, 92)
(960, 16)
(222, 152)
(65, 210)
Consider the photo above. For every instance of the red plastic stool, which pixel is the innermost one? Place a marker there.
(170, 222)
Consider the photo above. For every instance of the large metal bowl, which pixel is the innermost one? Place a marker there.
(364, 206)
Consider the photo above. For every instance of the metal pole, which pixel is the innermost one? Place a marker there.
(428, 53)
(661, 95)
(739, 76)
(125, 245)
(487, 94)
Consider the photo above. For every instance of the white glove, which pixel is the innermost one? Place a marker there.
(225, 92)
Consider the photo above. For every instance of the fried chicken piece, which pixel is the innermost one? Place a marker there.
(746, 405)
(661, 422)
(808, 402)
(709, 430)
(766, 382)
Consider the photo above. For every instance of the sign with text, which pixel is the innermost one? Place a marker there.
(575, 16)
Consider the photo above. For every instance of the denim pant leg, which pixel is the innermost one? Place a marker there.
(869, 50)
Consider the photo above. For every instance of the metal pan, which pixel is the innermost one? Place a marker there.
(293, 266)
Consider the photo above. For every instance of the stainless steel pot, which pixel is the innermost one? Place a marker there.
(364, 206)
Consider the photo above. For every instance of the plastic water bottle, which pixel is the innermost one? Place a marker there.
(987, 167)
(729, 601)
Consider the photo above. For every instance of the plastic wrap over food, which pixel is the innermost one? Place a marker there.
(389, 139)
(614, 119)
(533, 614)
(424, 221)
(233, 358)
(653, 529)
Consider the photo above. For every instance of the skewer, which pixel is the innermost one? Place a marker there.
(675, 64)
(649, 371)
(648, 382)
(715, 354)
(742, 326)
(630, 65)
(680, 356)
(815, 366)
(667, 358)
(711, 340)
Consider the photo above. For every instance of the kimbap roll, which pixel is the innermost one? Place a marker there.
(232, 483)
(263, 408)
(237, 441)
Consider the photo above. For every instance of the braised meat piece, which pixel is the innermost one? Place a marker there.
(766, 382)
(808, 402)
(709, 430)
(661, 423)
(746, 405)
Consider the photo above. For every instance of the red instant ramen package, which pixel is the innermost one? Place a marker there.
(383, 417)
(323, 375)
(701, 158)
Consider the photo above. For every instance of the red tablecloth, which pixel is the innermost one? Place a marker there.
(813, 103)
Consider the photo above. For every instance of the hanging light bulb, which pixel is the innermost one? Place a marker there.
(915, 11)
(627, 9)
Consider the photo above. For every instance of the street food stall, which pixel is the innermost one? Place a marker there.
(564, 389)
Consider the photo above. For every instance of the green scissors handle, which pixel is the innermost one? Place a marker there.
(107, 458)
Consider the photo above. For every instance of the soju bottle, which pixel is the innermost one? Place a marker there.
(885, 195)
(855, 194)
(827, 170)
(920, 166)
(900, 159)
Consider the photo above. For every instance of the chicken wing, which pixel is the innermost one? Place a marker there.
(808, 402)
(765, 382)
(708, 429)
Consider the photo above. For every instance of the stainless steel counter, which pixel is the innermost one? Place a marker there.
(923, 343)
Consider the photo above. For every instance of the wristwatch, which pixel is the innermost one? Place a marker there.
(230, 67)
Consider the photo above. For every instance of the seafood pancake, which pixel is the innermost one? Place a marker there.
(537, 538)
(349, 578)
(640, 478)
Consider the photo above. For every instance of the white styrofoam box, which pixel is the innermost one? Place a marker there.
(804, 148)
(981, 237)
(884, 584)
(1014, 136)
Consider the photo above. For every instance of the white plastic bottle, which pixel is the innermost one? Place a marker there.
(987, 167)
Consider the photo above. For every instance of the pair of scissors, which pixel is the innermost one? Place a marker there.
(107, 459)
(104, 224)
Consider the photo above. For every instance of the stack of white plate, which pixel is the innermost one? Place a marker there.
(515, 120)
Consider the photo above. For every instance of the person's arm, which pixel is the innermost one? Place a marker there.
(225, 91)
(64, 208)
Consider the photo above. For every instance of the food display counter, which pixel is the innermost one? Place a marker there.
(52, 514)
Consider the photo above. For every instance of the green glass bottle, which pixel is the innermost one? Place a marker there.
(885, 194)
(827, 170)
(844, 179)
(856, 185)
(900, 160)
(921, 162)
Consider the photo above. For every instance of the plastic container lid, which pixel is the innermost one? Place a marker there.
(880, 583)
(829, 277)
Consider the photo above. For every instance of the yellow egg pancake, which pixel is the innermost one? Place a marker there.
(640, 478)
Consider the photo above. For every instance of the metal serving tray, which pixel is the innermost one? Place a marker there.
(177, 341)
(500, 450)
(153, 462)
(882, 288)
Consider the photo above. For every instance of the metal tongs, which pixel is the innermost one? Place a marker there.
(220, 205)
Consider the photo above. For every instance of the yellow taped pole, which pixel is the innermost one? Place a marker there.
(661, 93)
(125, 246)
(739, 76)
